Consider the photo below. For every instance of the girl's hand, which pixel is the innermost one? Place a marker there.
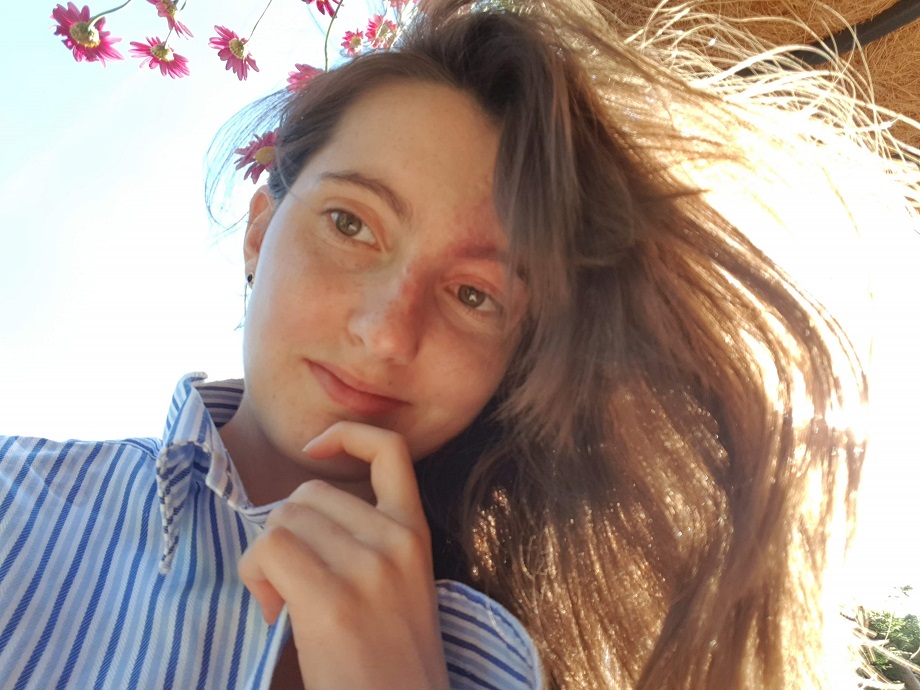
(357, 579)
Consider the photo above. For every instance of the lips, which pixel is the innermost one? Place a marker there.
(354, 395)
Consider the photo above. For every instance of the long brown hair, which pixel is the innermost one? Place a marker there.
(652, 490)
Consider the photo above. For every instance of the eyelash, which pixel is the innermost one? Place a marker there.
(335, 214)
(479, 313)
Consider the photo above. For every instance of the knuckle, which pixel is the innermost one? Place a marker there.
(395, 440)
(342, 611)
(275, 539)
(284, 514)
(409, 547)
(314, 487)
(376, 567)
(399, 441)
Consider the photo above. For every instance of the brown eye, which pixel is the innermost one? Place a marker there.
(471, 297)
(347, 223)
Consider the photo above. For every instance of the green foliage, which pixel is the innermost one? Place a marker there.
(902, 635)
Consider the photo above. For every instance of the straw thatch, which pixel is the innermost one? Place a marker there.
(892, 62)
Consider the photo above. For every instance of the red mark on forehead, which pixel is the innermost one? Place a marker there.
(477, 232)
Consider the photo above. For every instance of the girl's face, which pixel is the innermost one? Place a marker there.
(381, 291)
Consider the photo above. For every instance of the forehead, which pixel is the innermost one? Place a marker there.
(430, 143)
(411, 114)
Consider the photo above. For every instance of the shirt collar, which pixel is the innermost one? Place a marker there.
(193, 451)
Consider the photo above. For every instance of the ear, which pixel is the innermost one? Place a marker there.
(261, 209)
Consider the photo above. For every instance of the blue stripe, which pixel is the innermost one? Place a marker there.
(173, 662)
(230, 407)
(23, 472)
(171, 484)
(485, 627)
(205, 425)
(260, 669)
(215, 594)
(10, 440)
(143, 651)
(235, 390)
(128, 593)
(42, 568)
(479, 651)
(113, 621)
(149, 446)
(103, 577)
(75, 564)
(244, 612)
(469, 675)
(484, 601)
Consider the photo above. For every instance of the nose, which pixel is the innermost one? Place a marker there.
(389, 319)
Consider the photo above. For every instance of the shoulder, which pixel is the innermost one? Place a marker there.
(485, 645)
(48, 460)
(35, 447)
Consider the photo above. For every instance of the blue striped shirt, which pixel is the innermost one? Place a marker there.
(118, 568)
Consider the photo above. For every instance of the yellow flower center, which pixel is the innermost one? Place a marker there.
(238, 48)
(161, 52)
(85, 35)
(170, 7)
(265, 155)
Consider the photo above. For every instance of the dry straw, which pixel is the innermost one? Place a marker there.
(891, 64)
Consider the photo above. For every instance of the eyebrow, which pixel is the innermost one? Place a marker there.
(485, 251)
(399, 205)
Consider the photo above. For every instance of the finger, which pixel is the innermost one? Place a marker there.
(392, 475)
(267, 565)
(340, 528)
(294, 571)
(270, 602)
(317, 506)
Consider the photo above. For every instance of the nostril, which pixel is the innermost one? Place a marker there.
(389, 329)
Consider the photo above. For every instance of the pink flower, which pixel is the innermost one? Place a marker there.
(399, 4)
(352, 42)
(300, 76)
(87, 41)
(168, 9)
(232, 50)
(258, 154)
(324, 6)
(380, 32)
(157, 54)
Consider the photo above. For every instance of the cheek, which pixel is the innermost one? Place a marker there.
(293, 303)
(467, 376)
(459, 386)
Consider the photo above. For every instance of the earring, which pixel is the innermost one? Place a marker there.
(249, 278)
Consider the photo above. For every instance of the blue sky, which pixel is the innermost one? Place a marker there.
(115, 283)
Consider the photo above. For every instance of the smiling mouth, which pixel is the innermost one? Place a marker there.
(360, 402)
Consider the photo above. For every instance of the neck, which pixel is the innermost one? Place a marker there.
(267, 473)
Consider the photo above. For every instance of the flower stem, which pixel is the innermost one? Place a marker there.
(99, 16)
(258, 20)
(329, 33)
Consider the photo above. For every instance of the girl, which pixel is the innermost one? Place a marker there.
(499, 337)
